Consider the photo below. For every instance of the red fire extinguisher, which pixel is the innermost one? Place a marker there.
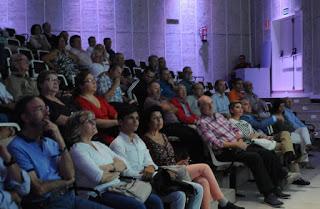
(204, 33)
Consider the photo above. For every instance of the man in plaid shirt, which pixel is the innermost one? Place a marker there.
(226, 140)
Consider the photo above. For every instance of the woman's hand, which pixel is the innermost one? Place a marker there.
(119, 165)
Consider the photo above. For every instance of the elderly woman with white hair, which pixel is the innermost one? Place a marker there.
(98, 167)
(19, 83)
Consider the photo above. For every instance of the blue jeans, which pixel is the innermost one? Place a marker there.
(119, 201)
(195, 200)
(176, 200)
(70, 201)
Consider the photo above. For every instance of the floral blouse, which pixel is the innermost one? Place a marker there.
(162, 155)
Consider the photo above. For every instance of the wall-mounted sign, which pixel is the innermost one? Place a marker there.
(172, 21)
(285, 11)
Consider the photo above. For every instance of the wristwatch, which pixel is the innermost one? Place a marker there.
(10, 163)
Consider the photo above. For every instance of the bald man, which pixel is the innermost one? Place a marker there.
(227, 143)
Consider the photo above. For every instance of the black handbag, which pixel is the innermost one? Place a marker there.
(163, 184)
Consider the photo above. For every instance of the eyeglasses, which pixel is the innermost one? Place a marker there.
(90, 81)
(41, 109)
(53, 80)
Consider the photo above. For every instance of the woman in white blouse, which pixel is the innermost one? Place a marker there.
(99, 167)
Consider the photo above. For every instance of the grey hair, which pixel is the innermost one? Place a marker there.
(14, 60)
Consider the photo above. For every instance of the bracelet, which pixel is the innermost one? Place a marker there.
(10, 163)
(63, 150)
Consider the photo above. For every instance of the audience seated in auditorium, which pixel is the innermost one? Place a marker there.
(220, 100)
(139, 87)
(187, 79)
(92, 43)
(162, 63)
(138, 160)
(283, 141)
(61, 60)
(237, 93)
(168, 87)
(60, 107)
(106, 115)
(298, 136)
(14, 182)
(46, 27)
(184, 113)
(19, 83)
(153, 64)
(163, 154)
(108, 84)
(84, 59)
(227, 142)
(192, 99)
(37, 39)
(98, 65)
(189, 138)
(259, 107)
(108, 46)
(98, 167)
(51, 179)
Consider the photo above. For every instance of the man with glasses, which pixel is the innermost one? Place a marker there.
(46, 159)
(19, 83)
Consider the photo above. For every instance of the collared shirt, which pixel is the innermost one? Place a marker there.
(259, 124)
(293, 119)
(193, 103)
(135, 153)
(217, 130)
(166, 90)
(221, 103)
(104, 83)
(29, 153)
(7, 183)
(39, 157)
(89, 158)
(97, 68)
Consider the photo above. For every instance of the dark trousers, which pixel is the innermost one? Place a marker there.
(190, 140)
(264, 165)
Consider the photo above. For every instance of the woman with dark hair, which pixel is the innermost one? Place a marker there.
(61, 60)
(98, 167)
(163, 154)
(106, 115)
(60, 107)
(37, 39)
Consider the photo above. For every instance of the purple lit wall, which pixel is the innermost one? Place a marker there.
(138, 28)
(262, 10)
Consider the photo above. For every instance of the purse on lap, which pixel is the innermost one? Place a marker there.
(140, 190)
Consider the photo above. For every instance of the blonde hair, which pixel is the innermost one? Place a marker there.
(74, 126)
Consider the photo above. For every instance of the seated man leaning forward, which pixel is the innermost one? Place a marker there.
(226, 140)
(46, 160)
